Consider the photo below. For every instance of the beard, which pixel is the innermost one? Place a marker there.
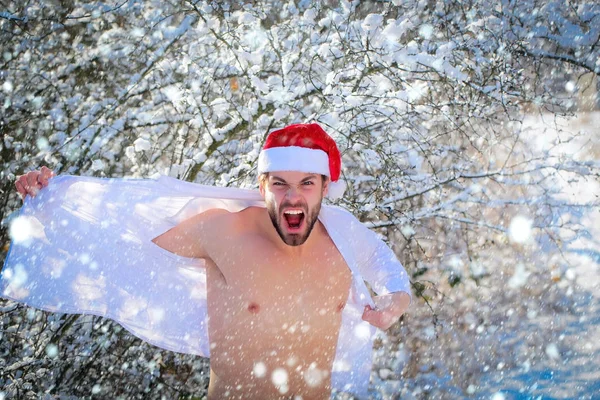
(278, 220)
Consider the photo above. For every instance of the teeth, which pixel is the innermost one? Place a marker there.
(295, 212)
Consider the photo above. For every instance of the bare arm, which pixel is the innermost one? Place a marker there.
(189, 238)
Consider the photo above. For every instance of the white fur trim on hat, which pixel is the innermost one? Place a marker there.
(336, 189)
(293, 158)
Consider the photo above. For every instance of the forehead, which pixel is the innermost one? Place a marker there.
(291, 176)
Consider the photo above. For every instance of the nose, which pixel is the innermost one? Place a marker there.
(293, 192)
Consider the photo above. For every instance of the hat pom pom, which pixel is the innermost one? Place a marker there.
(336, 189)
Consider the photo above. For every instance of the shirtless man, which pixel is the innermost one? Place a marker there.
(276, 284)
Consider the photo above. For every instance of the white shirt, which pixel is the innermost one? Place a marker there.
(83, 245)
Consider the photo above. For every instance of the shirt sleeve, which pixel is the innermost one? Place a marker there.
(379, 266)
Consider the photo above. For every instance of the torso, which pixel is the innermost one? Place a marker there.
(274, 319)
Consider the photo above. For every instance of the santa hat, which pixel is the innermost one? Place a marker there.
(304, 148)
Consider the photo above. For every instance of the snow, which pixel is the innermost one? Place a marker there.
(280, 113)
(174, 94)
(310, 14)
(519, 278)
(98, 165)
(362, 331)
(7, 87)
(313, 376)
(552, 351)
(260, 370)
(426, 31)
(520, 229)
(246, 18)
(431, 161)
(279, 378)
(142, 144)
(372, 22)
(52, 351)
(23, 228)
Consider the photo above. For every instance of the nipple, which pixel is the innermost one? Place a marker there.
(253, 308)
(341, 306)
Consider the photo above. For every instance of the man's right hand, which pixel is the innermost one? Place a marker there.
(32, 182)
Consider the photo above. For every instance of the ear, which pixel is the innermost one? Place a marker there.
(325, 186)
(262, 181)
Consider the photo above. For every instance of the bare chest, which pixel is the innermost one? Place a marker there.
(279, 310)
(258, 280)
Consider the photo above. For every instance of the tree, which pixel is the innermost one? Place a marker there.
(430, 102)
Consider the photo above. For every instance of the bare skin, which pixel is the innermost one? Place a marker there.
(31, 183)
(274, 318)
(276, 290)
(274, 308)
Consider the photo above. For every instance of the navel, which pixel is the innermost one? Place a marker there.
(254, 308)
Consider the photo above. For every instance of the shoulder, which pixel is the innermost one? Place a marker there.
(210, 217)
(224, 230)
(215, 219)
(204, 225)
(223, 221)
(249, 218)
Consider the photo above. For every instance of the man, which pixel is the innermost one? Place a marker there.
(279, 279)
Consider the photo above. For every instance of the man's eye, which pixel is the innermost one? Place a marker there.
(309, 183)
(278, 184)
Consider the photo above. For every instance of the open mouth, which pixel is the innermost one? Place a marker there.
(294, 218)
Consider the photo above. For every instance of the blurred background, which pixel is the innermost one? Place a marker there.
(470, 141)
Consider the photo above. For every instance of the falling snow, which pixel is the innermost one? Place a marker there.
(469, 142)
(520, 229)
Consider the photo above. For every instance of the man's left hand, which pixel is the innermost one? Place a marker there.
(388, 309)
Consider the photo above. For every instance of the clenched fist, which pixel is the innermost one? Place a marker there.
(32, 182)
(389, 308)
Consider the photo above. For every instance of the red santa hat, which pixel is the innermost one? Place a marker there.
(304, 148)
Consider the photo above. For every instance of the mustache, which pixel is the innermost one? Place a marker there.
(301, 205)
